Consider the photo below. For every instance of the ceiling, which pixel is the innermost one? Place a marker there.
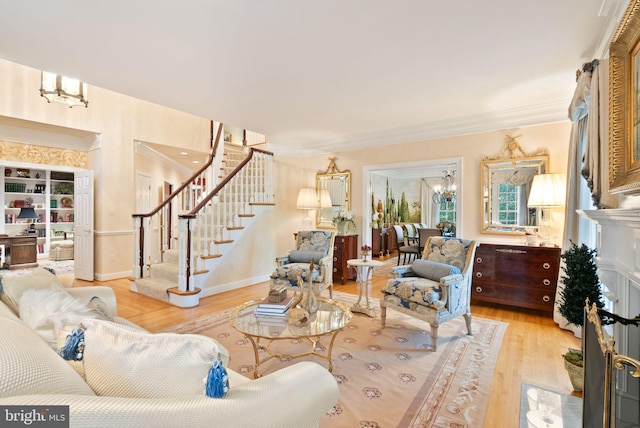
(325, 75)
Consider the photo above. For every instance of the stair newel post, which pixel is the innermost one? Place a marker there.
(184, 247)
(138, 247)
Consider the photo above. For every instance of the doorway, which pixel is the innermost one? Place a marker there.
(410, 170)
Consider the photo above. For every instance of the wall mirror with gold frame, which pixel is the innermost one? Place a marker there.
(338, 184)
(624, 107)
(505, 185)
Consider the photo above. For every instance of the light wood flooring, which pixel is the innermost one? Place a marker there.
(531, 349)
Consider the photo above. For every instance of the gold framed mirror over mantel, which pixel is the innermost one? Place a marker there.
(338, 185)
(505, 185)
(624, 107)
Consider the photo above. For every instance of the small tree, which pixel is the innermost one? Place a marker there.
(580, 282)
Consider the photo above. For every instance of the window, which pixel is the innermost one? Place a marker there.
(508, 202)
(447, 211)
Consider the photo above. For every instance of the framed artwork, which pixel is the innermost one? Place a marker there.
(624, 107)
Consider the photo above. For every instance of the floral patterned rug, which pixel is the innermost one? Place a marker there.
(387, 377)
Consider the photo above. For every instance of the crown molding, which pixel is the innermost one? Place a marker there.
(492, 121)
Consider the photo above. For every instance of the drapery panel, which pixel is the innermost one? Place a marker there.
(587, 172)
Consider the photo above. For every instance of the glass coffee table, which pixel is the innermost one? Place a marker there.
(330, 319)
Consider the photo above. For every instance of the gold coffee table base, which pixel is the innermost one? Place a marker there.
(328, 321)
(257, 346)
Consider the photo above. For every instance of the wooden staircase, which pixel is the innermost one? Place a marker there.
(179, 244)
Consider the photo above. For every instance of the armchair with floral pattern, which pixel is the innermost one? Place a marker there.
(435, 288)
(311, 245)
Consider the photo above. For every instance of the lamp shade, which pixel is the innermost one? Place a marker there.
(547, 191)
(307, 199)
(325, 199)
(27, 213)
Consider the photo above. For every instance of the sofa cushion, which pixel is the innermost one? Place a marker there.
(120, 361)
(421, 291)
(13, 286)
(301, 256)
(29, 366)
(433, 270)
(47, 311)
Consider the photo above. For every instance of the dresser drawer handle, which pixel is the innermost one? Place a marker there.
(335, 269)
(479, 260)
(335, 259)
(546, 282)
(478, 274)
(546, 299)
(478, 289)
(546, 265)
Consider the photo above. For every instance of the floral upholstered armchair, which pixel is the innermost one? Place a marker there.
(435, 288)
(311, 245)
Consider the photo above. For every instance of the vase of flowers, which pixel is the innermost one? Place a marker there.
(342, 220)
(365, 252)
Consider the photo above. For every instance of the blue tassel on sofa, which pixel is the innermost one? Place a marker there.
(73, 349)
(217, 380)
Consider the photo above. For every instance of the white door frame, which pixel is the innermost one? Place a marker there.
(426, 163)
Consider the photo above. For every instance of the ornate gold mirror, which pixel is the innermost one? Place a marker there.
(338, 185)
(505, 185)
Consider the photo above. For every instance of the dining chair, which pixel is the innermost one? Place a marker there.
(404, 248)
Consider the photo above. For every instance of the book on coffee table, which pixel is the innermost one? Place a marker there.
(270, 308)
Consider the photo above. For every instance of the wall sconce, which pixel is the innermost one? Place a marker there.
(547, 191)
(307, 200)
(447, 191)
(60, 89)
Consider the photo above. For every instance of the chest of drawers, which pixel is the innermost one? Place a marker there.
(345, 248)
(515, 275)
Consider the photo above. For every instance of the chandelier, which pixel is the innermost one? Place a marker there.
(445, 192)
(71, 92)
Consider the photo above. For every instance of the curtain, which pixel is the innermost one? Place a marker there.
(428, 207)
(596, 156)
(588, 156)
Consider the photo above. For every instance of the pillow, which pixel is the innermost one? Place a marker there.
(28, 366)
(300, 256)
(100, 308)
(13, 286)
(433, 270)
(47, 311)
(120, 361)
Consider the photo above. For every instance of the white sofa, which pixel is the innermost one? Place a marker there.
(33, 374)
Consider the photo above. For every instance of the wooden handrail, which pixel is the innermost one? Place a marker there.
(193, 177)
(220, 185)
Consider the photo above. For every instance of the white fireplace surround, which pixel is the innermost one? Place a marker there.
(618, 261)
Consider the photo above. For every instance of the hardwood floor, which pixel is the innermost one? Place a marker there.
(531, 349)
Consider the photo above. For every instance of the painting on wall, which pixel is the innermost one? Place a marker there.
(397, 199)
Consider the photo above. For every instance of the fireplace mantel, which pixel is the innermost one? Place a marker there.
(619, 257)
(618, 263)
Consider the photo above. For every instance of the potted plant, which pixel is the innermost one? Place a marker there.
(580, 282)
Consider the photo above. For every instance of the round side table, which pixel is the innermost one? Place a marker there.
(364, 269)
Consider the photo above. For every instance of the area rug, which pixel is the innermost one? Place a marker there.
(387, 377)
(543, 407)
(60, 267)
(389, 264)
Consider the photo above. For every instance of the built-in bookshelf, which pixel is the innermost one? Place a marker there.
(49, 193)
